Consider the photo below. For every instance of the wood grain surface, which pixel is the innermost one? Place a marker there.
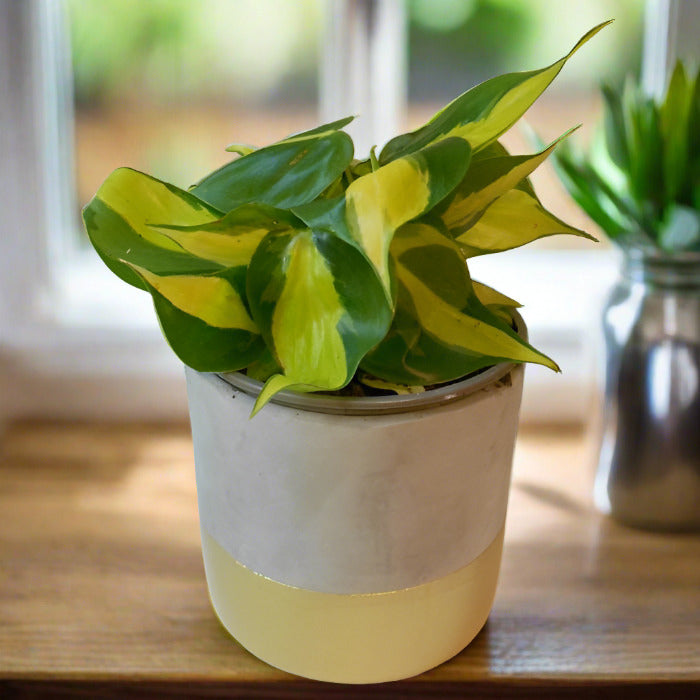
(102, 590)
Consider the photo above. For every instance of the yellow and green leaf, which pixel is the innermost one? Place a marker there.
(441, 331)
(486, 180)
(242, 149)
(381, 384)
(320, 307)
(495, 301)
(211, 299)
(192, 260)
(232, 240)
(486, 111)
(376, 204)
(514, 219)
(489, 296)
(118, 221)
(205, 320)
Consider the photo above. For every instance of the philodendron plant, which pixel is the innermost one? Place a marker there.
(304, 266)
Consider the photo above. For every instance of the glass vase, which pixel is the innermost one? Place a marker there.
(649, 460)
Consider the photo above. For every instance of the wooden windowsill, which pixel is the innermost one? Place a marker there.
(102, 588)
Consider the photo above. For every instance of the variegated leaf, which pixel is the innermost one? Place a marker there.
(284, 174)
(496, 150)
(494, 301)
(485, 181)
(513, 220)
(320, 306)
(375, 205)
(382, 385)
(195, 267)
(232, 240)
(204, 320)
(441, 331)
(489, 296)
(118, 222)
(486, 111)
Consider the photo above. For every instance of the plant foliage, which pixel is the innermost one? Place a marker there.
(640, 181)
(302, 265)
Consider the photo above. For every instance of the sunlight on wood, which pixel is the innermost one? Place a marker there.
(102, 574)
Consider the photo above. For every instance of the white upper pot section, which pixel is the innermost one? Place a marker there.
(355, 503)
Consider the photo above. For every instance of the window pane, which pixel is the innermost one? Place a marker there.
(165, 85)
(455, 44)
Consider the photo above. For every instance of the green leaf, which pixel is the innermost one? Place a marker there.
(485, 181)
(486, 111)
(118, 222)
(694, 127)
(645, 174)
(674, 122)
(494, 150)
(680, 230)
(285, 174)
(587, 189)
(322, 130)
(263, 367)
(441, 331)
(513, 220)
(616, 138)
(374, 163)
(320, 306)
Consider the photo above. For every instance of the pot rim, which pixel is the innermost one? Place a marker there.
(380, 405)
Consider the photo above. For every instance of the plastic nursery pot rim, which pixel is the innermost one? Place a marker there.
(377, 405)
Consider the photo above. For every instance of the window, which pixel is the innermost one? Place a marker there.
(74, 341)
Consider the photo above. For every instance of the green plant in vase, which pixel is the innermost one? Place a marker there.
(640, 182)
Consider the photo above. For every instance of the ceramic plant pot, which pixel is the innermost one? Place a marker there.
(354, 540)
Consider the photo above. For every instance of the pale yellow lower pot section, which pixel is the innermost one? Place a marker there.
(365, 638)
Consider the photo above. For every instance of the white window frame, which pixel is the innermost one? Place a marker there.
(75, 343)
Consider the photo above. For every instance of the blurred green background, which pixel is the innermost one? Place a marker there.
(164, 85)
(267, 50)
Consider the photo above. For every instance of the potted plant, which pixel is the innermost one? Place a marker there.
(640, 182)
(354, 534)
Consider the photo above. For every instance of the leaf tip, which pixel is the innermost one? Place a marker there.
(275, 384)
(256, 408)
(553, 365)
(588, 35)
(373, 158)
